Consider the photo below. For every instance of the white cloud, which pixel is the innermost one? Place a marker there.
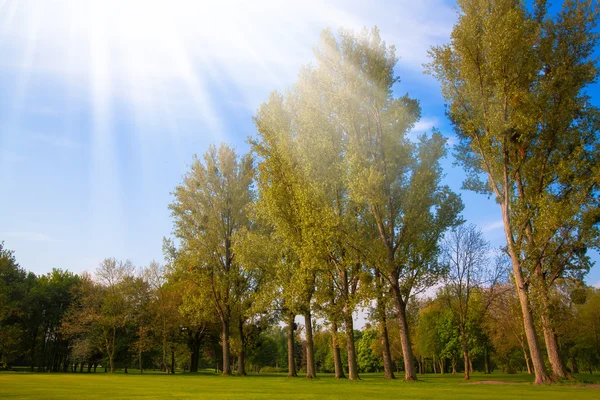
(597, 285)
(424, 125)
(492, 226)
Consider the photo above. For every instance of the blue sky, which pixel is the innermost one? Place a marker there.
(104, 102)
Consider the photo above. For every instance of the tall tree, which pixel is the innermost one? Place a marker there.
(210, 207)
(289, 203)
(515, 82)
(395, 180)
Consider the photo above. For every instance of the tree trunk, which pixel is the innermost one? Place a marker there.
(140, 362)
(241, 371)
(337, 358)
(290, 346)
(112, 364)
(433, 364)
(112, 351)
(310, 347)
(409, 366)
(486, 360)
(33, 343)
(574, 366)
(388, 372)
(225, 338)
(454, 366)
(194, 344)
(559, 369)
(541, 376)
(172, 360)
(527, 362)
(352, 365)
(466, 358)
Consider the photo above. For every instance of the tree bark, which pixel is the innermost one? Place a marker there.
(559, 369)
(225, 346)
(409, 364)
(290, 345)
(466, 359)
(337, 358)
(388, 372)
(172, 360)
(541, 376)
(352, 365)
(310, 347)
(241, 371)
(574, 366)
(527, 362)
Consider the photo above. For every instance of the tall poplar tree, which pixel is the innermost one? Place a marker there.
(515, 82)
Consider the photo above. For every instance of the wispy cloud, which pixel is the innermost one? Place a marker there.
(492, 226)
(424, 125)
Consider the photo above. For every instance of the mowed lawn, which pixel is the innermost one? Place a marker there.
(274, 386)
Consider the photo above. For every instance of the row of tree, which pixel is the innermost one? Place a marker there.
(126, 318)
(337, 207)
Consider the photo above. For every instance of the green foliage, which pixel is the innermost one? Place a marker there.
(368, 360)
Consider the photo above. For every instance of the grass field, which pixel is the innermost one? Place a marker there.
(274, 386)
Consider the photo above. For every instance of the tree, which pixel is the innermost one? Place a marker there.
(324, 175)
(397, 181)
(209, 208)
(368, 360)
(289, 204)
(13, 292)
(114, 307)
(515, 83)
(468, 276)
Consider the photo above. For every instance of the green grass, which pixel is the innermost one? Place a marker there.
(207, 386)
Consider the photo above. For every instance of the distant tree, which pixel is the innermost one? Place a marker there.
(470, 282)
(368, 360)
(13, 292)
(210, 207)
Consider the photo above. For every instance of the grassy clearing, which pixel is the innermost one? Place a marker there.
(275, 386)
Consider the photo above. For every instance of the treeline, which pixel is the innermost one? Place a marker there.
(338, 208)
(62, 322)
